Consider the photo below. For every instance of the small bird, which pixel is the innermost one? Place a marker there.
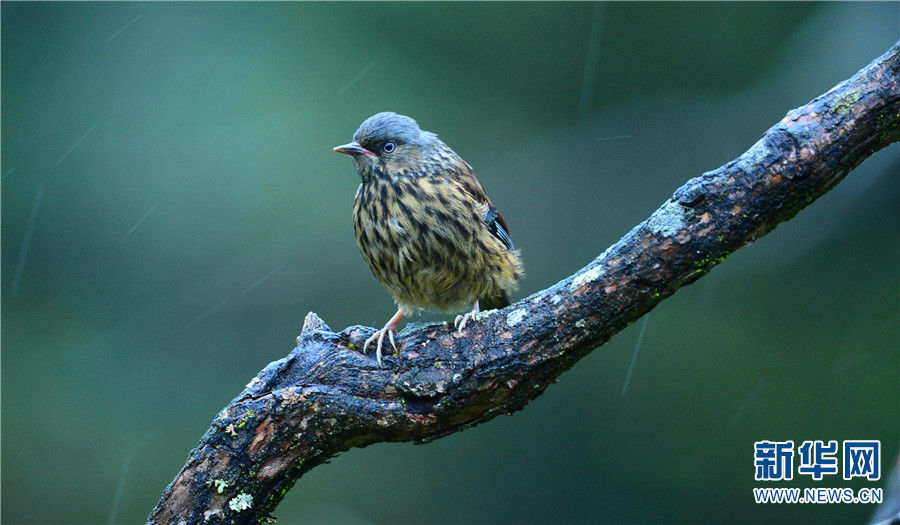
(425, 225)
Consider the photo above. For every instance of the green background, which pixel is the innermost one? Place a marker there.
(188, 212)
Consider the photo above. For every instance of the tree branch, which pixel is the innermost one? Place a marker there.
(326, 397)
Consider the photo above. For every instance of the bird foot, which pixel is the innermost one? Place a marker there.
(460, 321)
(379, 337)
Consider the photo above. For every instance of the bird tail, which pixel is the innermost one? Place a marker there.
(496, 302)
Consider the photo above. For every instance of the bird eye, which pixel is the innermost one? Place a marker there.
(388, 147)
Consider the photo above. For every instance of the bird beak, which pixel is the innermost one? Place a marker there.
(353, 149)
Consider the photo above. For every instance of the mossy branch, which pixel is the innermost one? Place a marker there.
(326, 397)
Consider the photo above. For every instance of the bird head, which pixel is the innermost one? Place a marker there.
(390, 145)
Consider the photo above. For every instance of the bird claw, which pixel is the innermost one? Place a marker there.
(379, 337)
(461, 319)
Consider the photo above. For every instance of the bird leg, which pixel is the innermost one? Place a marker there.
(388, 329)
(460, 321)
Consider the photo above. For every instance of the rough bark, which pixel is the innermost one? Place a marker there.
(326, 397)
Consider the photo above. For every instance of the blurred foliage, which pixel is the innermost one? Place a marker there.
(192, 212)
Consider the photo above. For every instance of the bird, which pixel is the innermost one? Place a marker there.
(425, 225)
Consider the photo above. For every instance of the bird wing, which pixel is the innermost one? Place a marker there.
(498, 226)
(492, 217)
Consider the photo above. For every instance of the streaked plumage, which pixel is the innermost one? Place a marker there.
(425, 225)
